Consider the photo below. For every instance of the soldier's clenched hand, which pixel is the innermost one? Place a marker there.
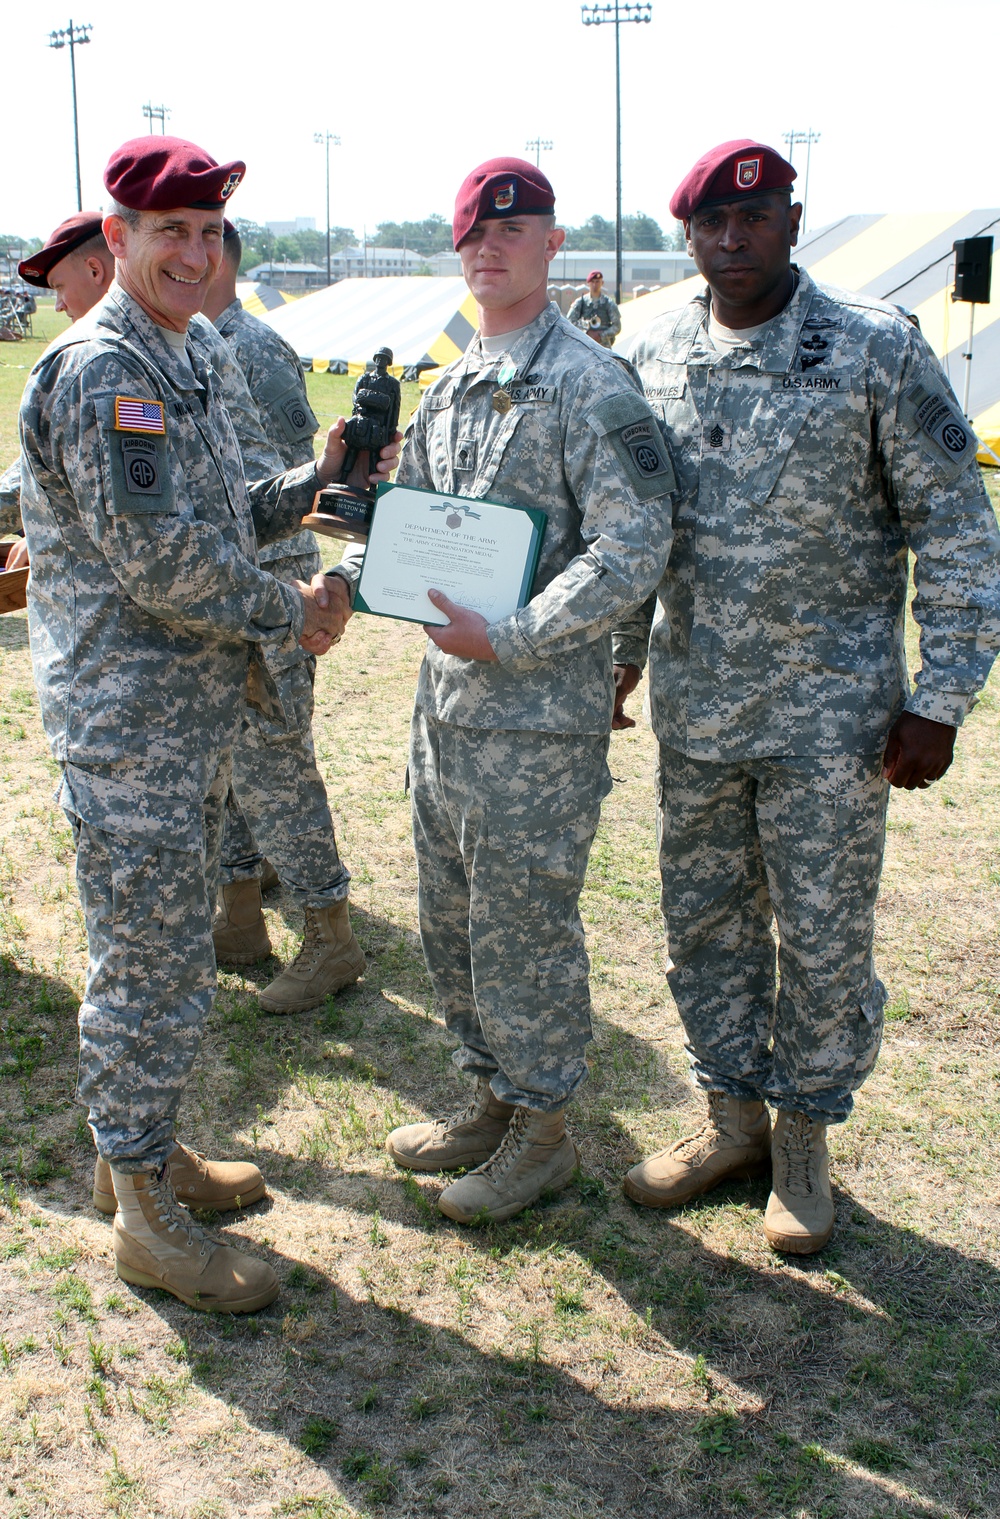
(328, 607)
(329, 465)
(464, 635)
(917, 752)
(627, 677)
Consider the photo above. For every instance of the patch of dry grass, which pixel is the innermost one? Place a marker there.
(590, 1358)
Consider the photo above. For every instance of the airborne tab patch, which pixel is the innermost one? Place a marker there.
(938, 420)
(132, 414)
(142, 467)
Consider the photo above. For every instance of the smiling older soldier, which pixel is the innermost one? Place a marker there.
(817, 441)
(148, 612)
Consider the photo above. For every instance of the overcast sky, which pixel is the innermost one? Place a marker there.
(904, 96)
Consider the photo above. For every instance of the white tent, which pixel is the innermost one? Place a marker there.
(424, 321)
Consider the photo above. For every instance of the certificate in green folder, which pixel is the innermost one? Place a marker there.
(481, 554)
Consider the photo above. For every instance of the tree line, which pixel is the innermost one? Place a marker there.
(433, 235)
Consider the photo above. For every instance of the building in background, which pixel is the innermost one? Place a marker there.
(646, 267)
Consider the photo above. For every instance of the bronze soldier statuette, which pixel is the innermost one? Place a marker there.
(344, 509)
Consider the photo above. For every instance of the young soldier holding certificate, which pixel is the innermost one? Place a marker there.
(510, 734)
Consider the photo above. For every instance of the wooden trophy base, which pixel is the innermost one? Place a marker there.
(340, 511)
(13, 583)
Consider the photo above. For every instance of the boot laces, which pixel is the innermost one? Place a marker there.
(712, 1125)
(170, 1213)
(798, 1148)
(474, 1108)
(508, 1152)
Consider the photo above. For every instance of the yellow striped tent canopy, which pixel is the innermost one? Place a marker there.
(260, 299)
(908, 260)
(425, 321)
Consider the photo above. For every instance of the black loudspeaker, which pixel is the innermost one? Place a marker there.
(973, 267)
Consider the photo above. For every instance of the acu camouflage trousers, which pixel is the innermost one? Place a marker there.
(150, 980)
(502, 825)
(278, 805)
(798, 841)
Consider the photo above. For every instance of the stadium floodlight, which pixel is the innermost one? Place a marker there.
(326, 138)
(73, 37)
(615, 15)
(808, 138)
(538, 146)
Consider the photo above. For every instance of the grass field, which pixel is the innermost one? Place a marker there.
(587, 1359)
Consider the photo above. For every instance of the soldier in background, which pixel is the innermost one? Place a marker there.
(76, 263)
(147, 606)
(508, 757)
(278, 804)
(816, 440)
(596, 313)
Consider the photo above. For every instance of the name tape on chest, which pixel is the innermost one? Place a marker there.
(132, 414)
(534, 394)
(940, 422)
(672, 392)
(141, 463)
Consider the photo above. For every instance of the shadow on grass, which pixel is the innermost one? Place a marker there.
(861, 1382)
(403, 1415)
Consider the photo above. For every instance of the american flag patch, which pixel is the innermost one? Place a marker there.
(133, 415)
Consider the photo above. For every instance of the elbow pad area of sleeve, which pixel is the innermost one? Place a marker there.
(633, 434)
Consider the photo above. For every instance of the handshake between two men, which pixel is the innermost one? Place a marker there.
(327, 599)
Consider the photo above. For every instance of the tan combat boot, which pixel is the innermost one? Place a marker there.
(197, 1182)
(330, 958)
(239, 932)
(158, 1244)
(733, 1144)
(800, 1213)
(466, 1138)
(269, 878)
(536, 1155)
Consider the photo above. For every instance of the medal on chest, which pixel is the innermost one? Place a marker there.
(502, 401)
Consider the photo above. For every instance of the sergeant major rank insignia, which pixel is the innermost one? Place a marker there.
(747, 173)
(135, 415)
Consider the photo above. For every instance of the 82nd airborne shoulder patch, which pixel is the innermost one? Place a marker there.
(940, 422)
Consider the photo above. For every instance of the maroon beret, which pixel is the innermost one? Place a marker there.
(500, 187)
(743, 167)
(228, 229)
(159, 173)
(595, 274)
(75, 230)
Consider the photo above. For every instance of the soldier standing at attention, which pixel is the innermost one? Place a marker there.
(596, 313)
(278, 804)
(510, 733)
(147, 612)
(816, 441)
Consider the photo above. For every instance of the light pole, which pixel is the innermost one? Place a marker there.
(326, 138)
(538, 146)
(613, 15)
(808, 138)
(73, 37)
(156, 113)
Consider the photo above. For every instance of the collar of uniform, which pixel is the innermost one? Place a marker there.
(152, 341)
(225, 319)
(475, 360)
(774, 356)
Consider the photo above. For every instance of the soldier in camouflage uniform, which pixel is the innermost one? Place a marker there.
(816, 441)
(147, 613)
(510, 733)
(596, 313)
(74, 262)
(278, 796)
